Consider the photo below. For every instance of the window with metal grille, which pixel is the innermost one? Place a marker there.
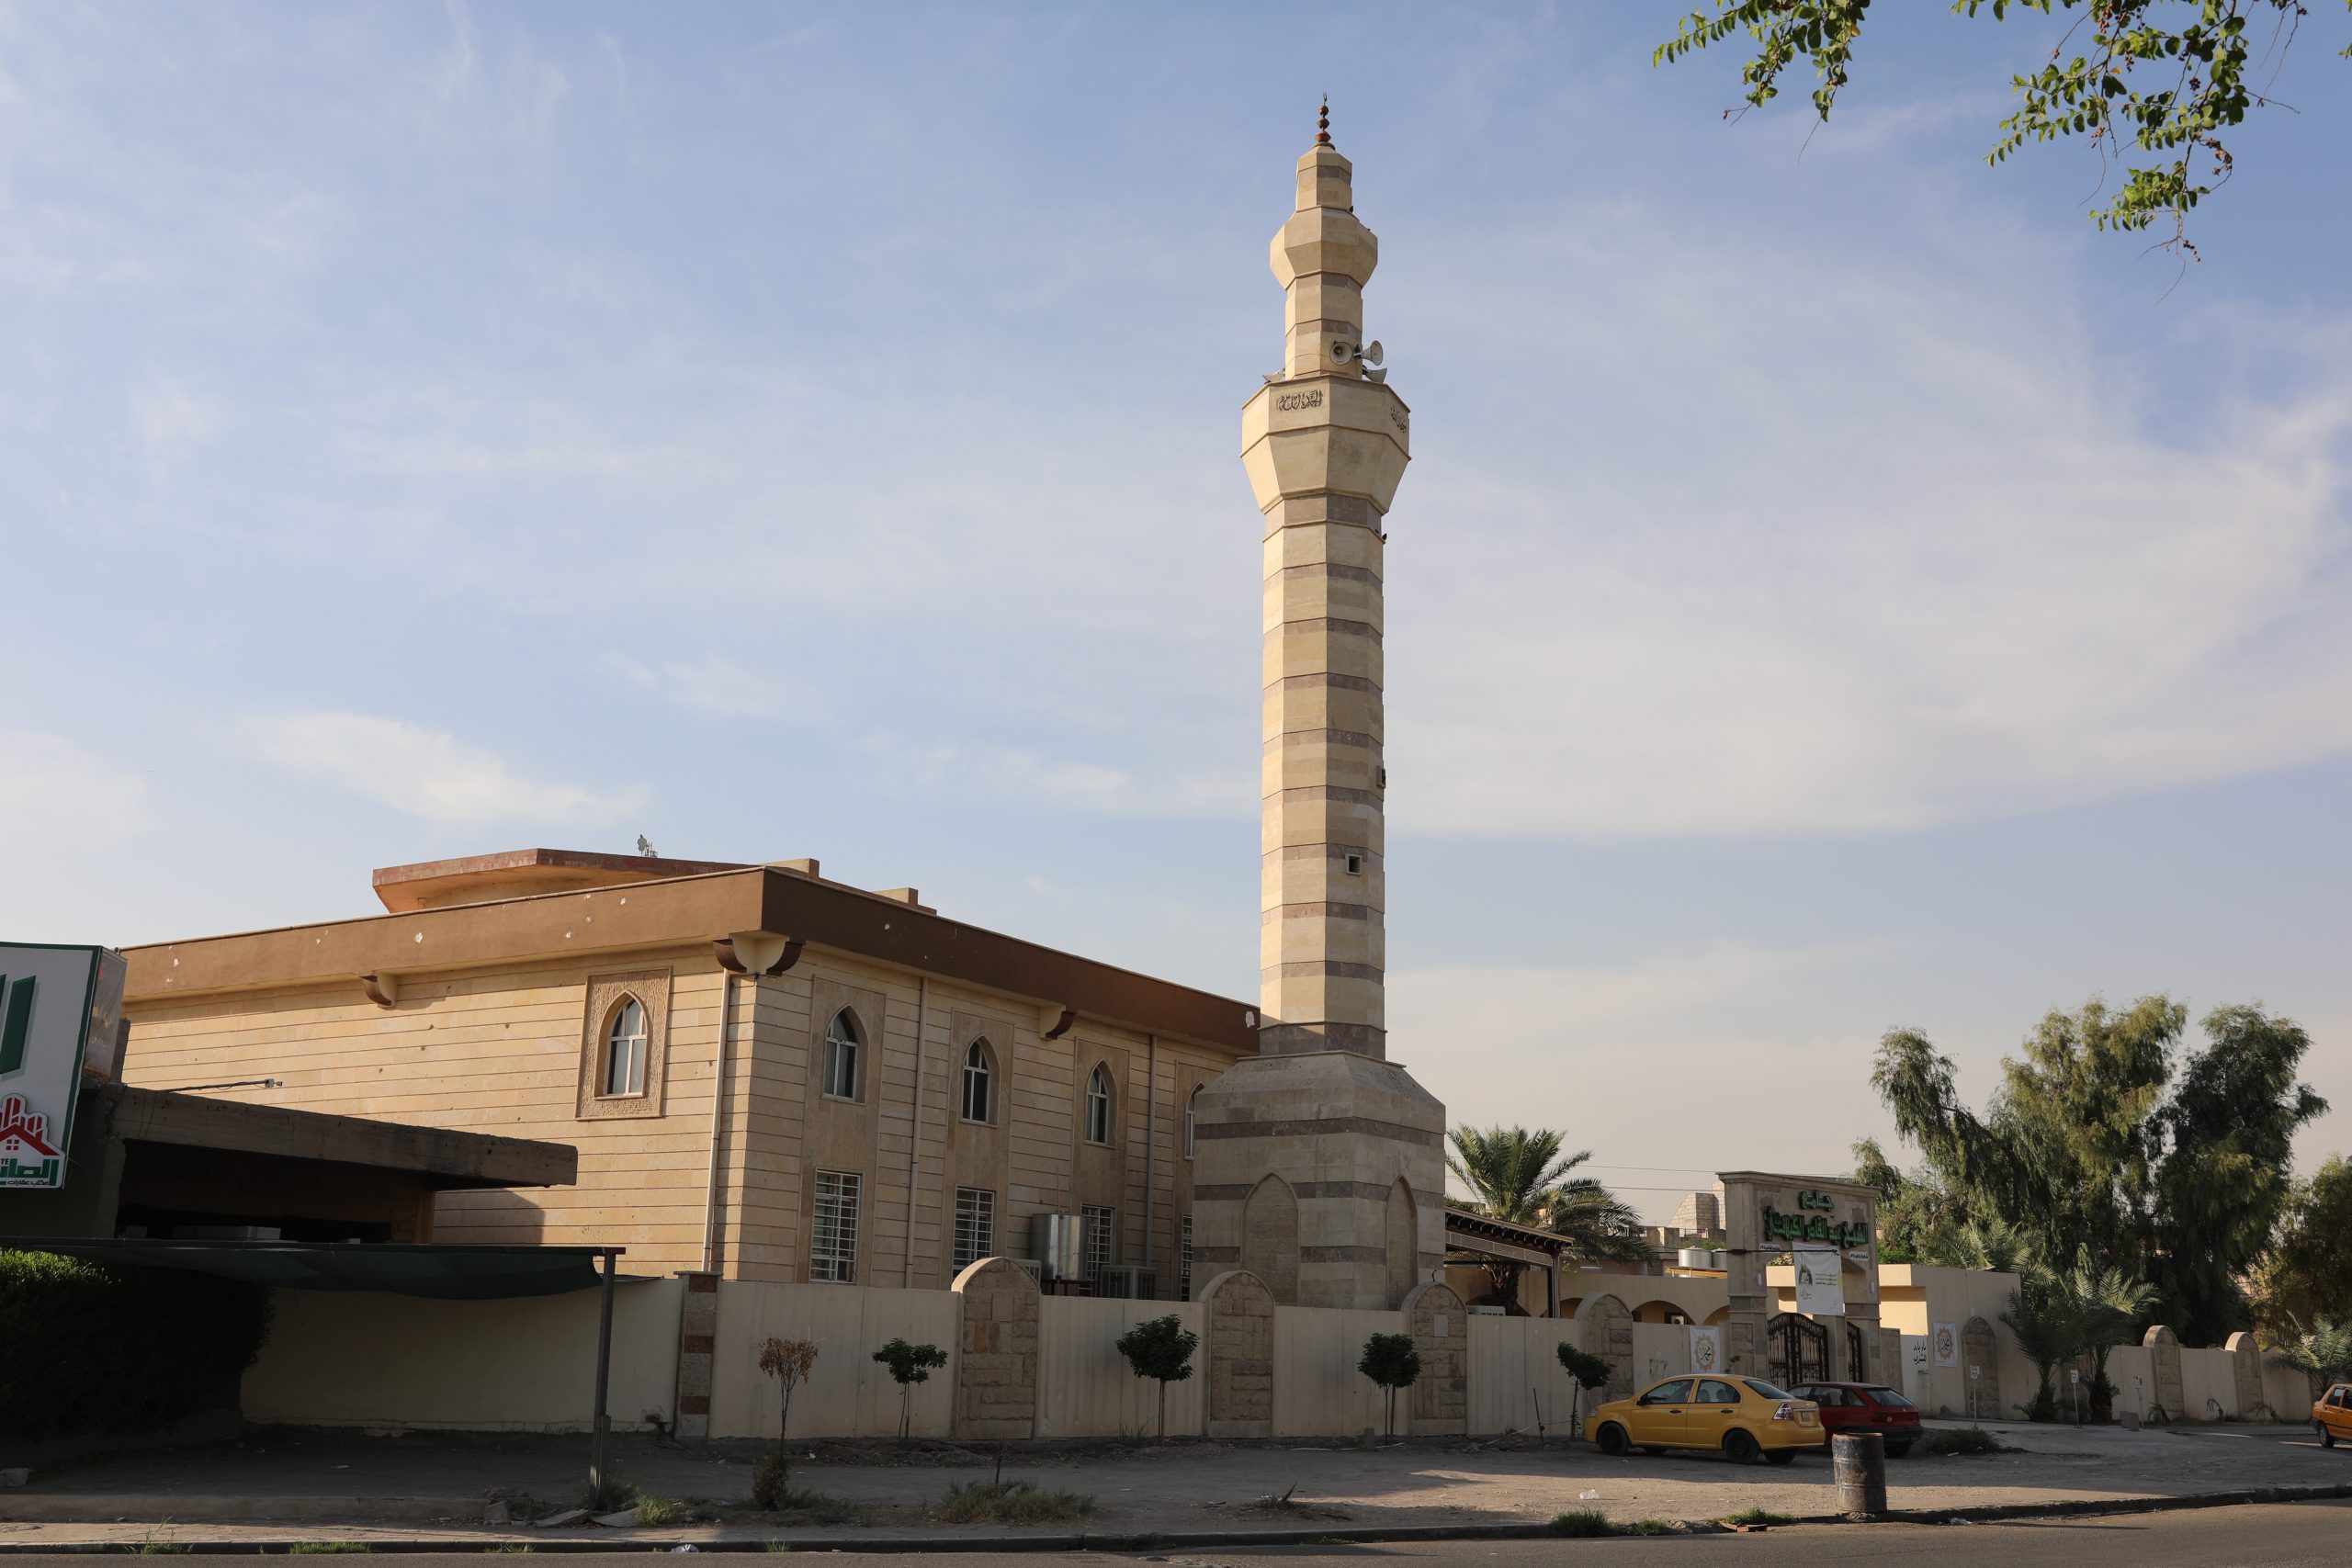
(1101, 1250)
(842, 1044)
(625, 1045)
(1184, 1260)
(1098, 1107)
(833, 1245)
(975, 1225)
(977, 1082)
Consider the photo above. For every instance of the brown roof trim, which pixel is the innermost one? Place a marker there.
(1462, 1222)
(641, 915)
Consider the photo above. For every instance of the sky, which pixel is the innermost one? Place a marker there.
(1835, 588)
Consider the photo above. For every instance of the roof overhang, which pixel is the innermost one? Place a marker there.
(600, 923)
(1466, 1232)
(438, 1158)
(436, 1270)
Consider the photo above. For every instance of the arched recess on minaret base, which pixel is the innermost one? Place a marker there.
(1270, 1238)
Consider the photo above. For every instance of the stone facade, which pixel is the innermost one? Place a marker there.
(1754, 1204)
(2246, 1375)
(1240, 1357)
(1440, 1330)
(996, 1364)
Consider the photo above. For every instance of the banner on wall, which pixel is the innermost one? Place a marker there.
(59, 1008)
(1706, 1349)
(1947, 1340)
(1821, 1289)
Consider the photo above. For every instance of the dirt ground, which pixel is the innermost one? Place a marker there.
(422, 1484)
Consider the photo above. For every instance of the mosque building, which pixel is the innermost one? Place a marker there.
(774, 1075)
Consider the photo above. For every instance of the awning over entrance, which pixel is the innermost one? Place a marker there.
(440, 1272)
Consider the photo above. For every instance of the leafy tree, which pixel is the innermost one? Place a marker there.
(2048, 1331)
(1391, 1361)
(1160, 1349)
(2092, 1142)
(1919, 1221)
(789, 1361)
(1521, 1177)
(1590, 1372)
(908, 1364)
(2199, 82)
(2307, 1274)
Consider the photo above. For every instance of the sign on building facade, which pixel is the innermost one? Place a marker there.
(57, 1005)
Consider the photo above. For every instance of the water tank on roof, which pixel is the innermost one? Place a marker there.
(1059, 1242)
(1694, 1258)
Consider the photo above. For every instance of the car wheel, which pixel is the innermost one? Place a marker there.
(1740, 1448)
(1781, 1456)
(1612, 1439)
(1896, 1450)
(2326, 1433)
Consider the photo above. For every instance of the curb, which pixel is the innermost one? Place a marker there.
(1157, 1540)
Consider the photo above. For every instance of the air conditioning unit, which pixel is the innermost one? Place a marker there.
(1127, 1282)
(1489, 1312)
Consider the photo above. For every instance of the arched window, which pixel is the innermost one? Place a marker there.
(625, 1047)
(1098, 1107)
(979, 1081)
(841, 1049)
(1192, 1120)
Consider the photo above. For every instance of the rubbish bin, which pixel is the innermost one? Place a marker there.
(1858, 1464)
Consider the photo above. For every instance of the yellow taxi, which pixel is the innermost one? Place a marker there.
(1744, 1419)
(2332, 1415)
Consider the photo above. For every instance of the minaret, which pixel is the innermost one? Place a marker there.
(1325, 444)
(1318, 1164)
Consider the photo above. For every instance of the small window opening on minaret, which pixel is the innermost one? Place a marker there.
(1355, 866)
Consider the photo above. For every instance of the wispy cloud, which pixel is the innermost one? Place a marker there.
(54, 788)
(426, 774)
(717, 687)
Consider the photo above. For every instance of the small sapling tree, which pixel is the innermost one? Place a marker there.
(908, 1364)
(788, 1361)
(1390, 1360)
(1161, 1348)
(1589, 1373)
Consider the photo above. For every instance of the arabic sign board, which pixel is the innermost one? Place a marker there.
(1706, 1349)
(1812, 1222)
(54, 1001)
(1947, 1342)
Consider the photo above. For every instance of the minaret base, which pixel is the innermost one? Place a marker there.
(1323, 1173)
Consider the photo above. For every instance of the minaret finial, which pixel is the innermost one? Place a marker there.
(1323, 123)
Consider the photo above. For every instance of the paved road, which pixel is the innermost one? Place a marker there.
(2285, 1535)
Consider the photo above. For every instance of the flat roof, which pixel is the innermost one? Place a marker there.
(600, 922)
(445, 1158)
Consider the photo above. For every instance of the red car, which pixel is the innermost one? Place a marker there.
(1865, 1407)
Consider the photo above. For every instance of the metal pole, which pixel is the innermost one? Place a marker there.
(604, 1426)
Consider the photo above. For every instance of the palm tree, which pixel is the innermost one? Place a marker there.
(2000, 1246)
(2107, 1304)
(1521, 1177)
(1510, 1172)
(2322, 1352)
(2041, 1314)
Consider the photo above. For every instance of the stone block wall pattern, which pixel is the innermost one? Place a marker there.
(1605, 1328)
(1239, 1347)
(1441, 1331)
(2164, 1389)
(698, 1339)
(2251, 1403)
(996, 1361)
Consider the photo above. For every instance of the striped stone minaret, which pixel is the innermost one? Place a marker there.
(1324, 443)
(1318, 1167)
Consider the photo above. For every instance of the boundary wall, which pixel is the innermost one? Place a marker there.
(1020, 1365)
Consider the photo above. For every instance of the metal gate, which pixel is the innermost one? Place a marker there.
(1857, 1365)
(1797, 1350)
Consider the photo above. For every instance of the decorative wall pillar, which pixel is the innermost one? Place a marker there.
(995, 1359)
(2164, 1369)
(1605, 1328)
(698, 1341)
(1439, 1325)
(1239, 1310)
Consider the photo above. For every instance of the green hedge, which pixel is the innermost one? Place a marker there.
(86, 1349)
